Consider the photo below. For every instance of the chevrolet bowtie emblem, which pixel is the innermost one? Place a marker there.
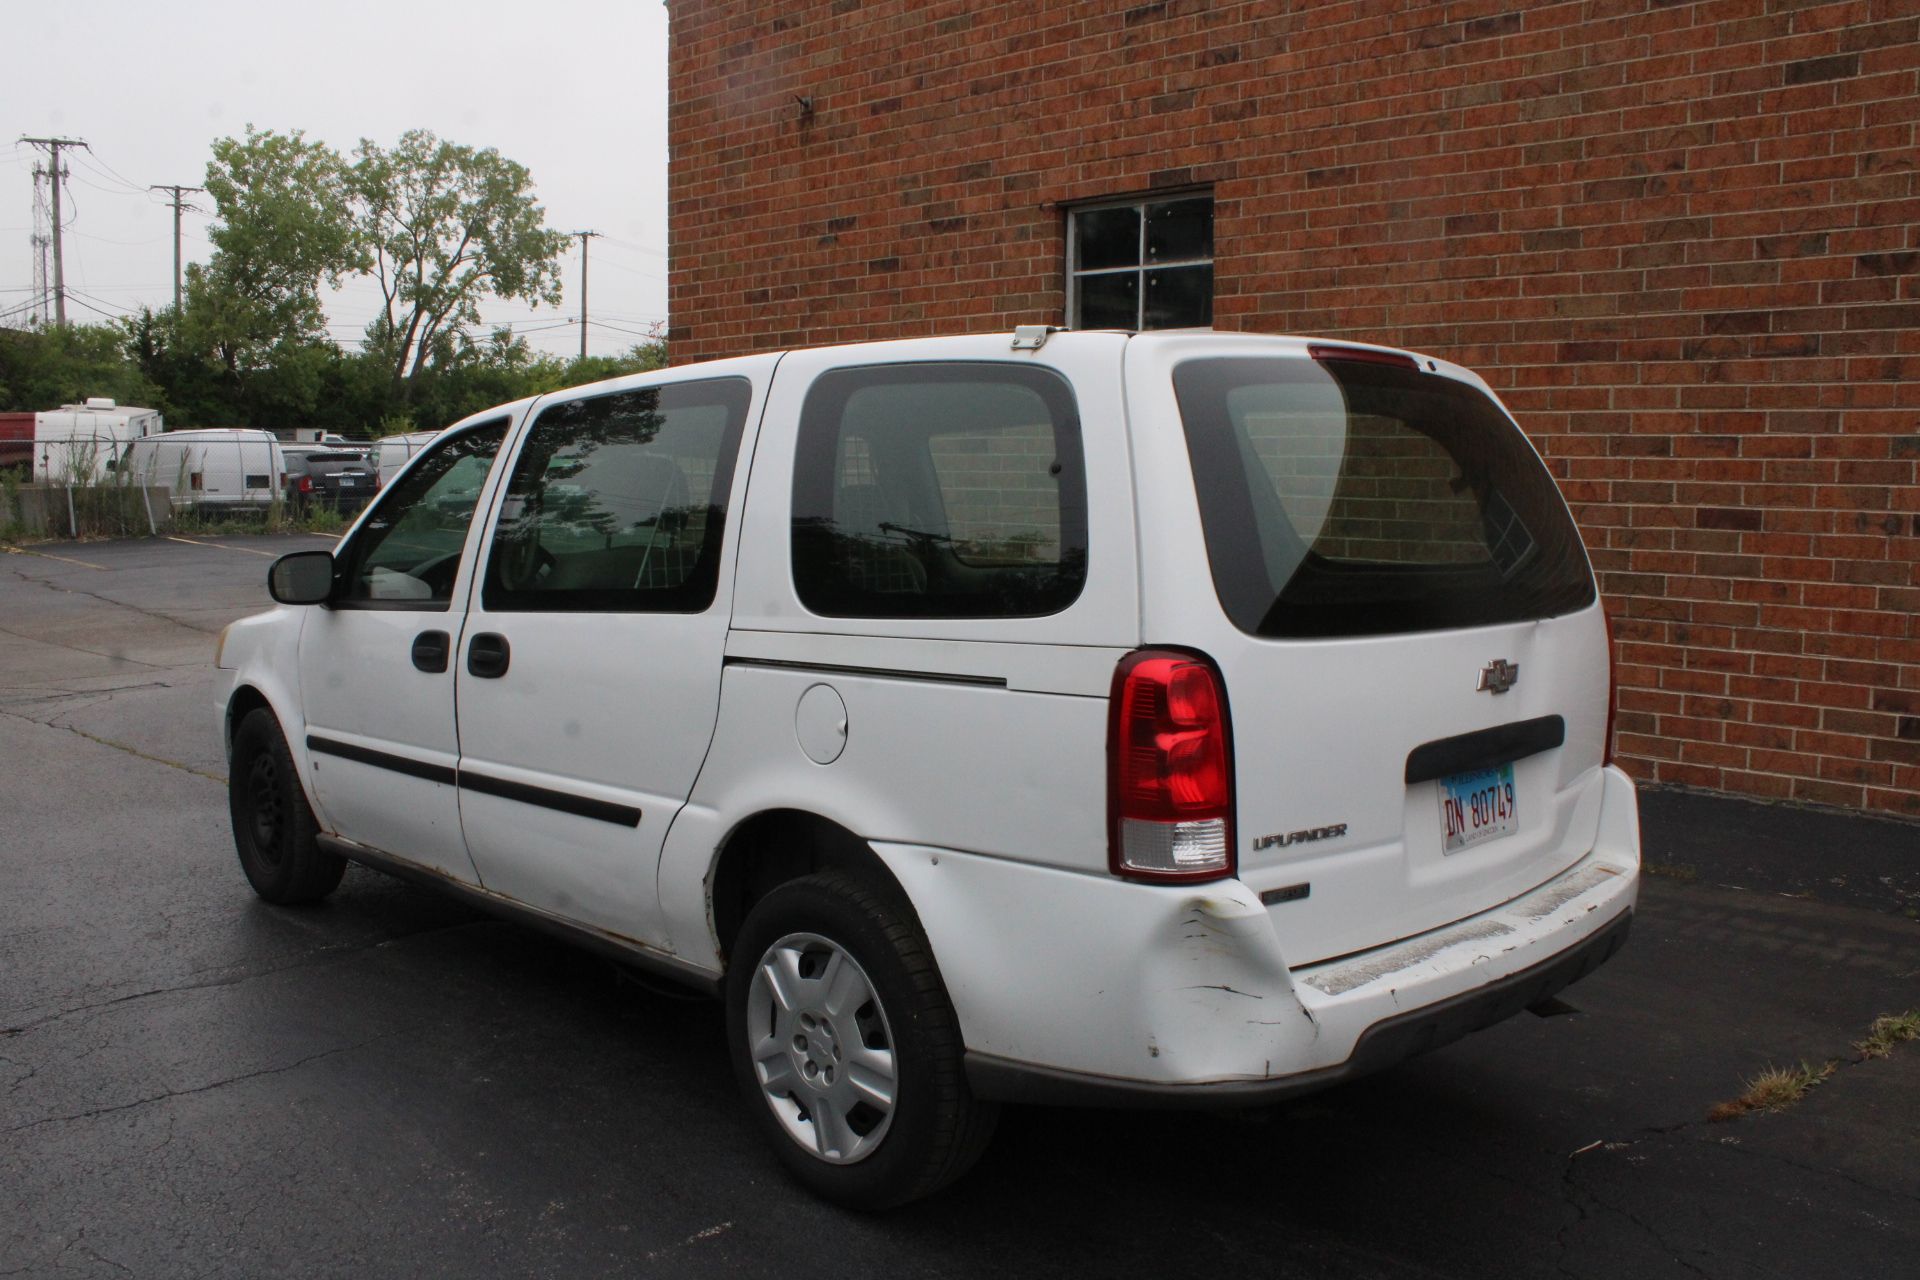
(1498, 676)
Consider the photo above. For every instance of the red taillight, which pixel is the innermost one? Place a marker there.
(1613, 690)
(1362, 355)
(306, 484)
(193, 481)
(1169, 769)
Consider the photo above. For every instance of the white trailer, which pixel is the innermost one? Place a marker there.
(82, 443)
(218, 469)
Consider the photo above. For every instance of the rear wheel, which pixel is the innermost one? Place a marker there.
(847, 1048)
(273, 827)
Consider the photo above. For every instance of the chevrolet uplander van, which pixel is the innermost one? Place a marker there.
(1170, 719)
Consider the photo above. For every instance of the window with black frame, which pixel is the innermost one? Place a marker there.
(406, 554)
(617, 503)
(1141, 264)
(939, 491)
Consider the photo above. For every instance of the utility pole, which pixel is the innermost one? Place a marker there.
(584, 237)
(178, 204)
(53, 145)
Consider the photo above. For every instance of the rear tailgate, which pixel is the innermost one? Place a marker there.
(1414, 659)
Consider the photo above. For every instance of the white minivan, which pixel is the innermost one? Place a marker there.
(1160, 720)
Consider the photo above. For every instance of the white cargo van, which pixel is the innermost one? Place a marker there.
(391, 453)
(83, 443)
(1170, 719)
(217, 469)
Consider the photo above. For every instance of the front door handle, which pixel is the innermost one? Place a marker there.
(430, 651)
(487, 655)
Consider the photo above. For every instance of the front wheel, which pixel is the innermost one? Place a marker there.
(273, 826)
(847, 1048)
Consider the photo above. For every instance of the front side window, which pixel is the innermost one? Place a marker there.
(1348, 498)
(617, 504)
(407, 552)
(1145, 264)
(939, 491)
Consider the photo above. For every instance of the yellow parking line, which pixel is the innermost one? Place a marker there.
(221, 546)
(22, 551)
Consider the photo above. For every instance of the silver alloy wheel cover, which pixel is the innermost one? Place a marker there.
(813, 1066)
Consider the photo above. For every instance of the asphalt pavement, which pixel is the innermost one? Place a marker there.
(194, 1083)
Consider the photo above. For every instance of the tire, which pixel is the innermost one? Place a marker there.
(865, 1018)
(273, 826)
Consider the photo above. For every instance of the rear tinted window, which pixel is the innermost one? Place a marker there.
(939, 491)
(1346, 498)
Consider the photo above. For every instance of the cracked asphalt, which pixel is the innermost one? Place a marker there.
(194, 1084)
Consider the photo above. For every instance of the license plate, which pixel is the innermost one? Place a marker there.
(347, 482)
(1476, 806)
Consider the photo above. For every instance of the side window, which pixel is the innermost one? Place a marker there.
(618, 503)
(939, 491)
(407, 553)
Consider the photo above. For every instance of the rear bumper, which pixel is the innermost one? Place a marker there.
(1380, 1046)
(1072, 987)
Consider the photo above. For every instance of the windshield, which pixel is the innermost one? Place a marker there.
(1342, 498)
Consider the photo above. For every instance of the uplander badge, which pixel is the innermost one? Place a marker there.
(1498, 676)
(1333, 832)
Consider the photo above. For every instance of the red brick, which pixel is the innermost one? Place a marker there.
(1677, 237)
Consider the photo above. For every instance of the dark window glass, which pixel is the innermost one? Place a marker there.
(1180, 230)
(618, 503)
(939, 491)
(1112, 287)
(407, 552)
(1110, 301)
(1180, 298)
(1107, 238)
(1344, 498)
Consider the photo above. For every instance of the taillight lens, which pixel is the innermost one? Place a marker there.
(193, 481)
(306, 484)
(1169, 769)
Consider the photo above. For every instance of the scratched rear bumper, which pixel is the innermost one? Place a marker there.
(1380, 1046)
(1156, 995)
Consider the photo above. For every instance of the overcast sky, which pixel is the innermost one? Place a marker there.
(572, 89)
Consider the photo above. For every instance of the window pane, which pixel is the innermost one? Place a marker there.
(1180, 298)
(409, 548)
(939, 491)
(1180, 230)
(1106, 238)
(1356, 499)
(617, 503)
(1109, 302)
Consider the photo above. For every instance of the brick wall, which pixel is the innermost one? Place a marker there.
(1682, 239)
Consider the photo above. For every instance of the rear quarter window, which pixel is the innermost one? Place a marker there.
(1342, 498)
(939, 490)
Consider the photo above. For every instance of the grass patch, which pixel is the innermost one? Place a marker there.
(1671, 871)
(1774, 1089)
(1887, 1031)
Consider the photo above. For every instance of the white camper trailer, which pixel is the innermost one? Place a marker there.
(82, 443)
(216, 469)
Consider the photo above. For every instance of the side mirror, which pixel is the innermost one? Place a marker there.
(305, 577)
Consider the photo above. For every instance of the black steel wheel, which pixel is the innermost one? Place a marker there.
(273, 827)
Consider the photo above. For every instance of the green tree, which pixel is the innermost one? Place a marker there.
(445, 226)
(284, 228)
(65, 364)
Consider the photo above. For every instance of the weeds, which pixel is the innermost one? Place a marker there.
(1887, 1031)
(1671, 871)
(1774, 1089)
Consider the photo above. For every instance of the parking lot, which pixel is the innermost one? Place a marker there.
(194, 1083)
